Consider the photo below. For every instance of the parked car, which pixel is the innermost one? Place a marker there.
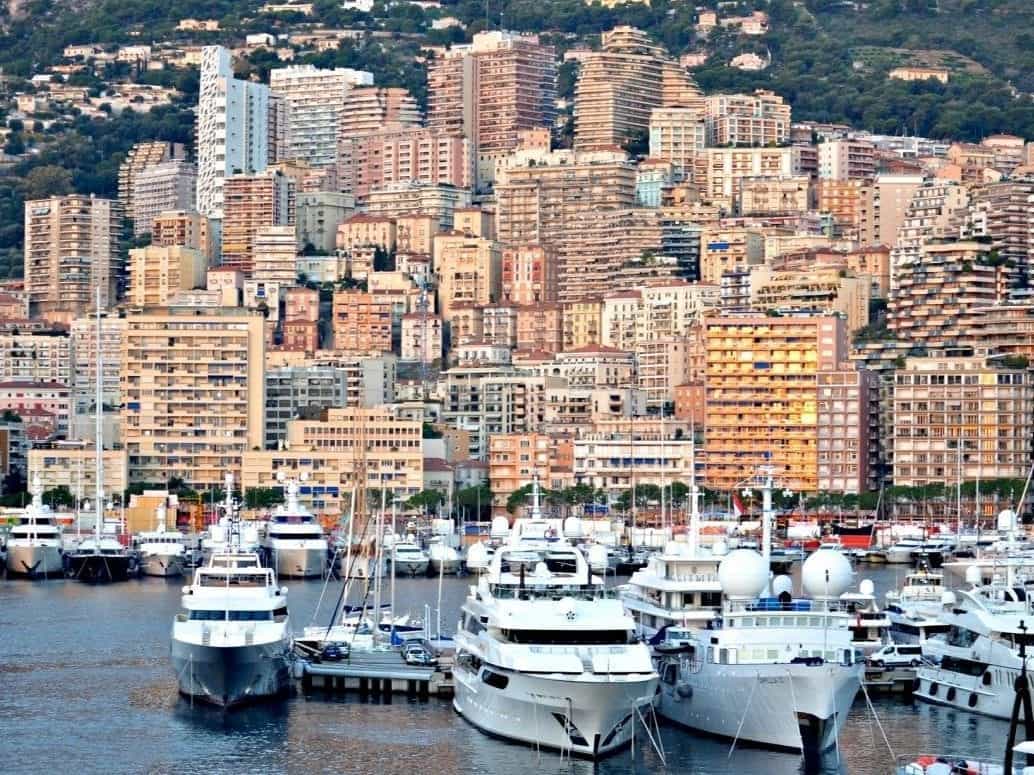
(897, 655)
(419, 653)
(334, 652)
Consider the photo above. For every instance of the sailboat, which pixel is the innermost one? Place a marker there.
(102, 557)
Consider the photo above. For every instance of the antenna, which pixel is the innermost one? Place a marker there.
(99, 431)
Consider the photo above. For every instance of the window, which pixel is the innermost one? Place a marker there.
(495, 680)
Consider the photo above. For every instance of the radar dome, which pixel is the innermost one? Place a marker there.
(477, 557)
(572, 527)
(1006, 521)
(867, 587)
(743, 573)
(719, 548)
(781, 584)
(827, 573)
(973, 575)
(500, 527)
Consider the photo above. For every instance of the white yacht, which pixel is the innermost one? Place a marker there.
(479, 556)
(407, 558)
(975, 664)
(915, 610)
(442, 557)
(549, 658)
(34, 542)
(903, 552)
(772, 671)
(162, 552)
(232, 644)
(678, 587)
(216, 538)
(294, 544)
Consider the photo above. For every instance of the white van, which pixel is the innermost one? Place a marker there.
(897, 655)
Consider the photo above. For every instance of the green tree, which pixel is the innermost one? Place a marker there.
(263, 497)
(426, 500)
(59, 497)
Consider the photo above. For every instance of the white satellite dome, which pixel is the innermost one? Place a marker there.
(948, 598)
(572, 527)
(973, 575)
(782, 584)
(743, 573)
(597, 556)
(867, 587)
(1006, 520)
(719, 548)
(477, 557)
(826, 573)
(500, 527)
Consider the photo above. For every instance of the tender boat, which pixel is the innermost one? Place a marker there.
(914, 610)
(34, 543)
(408, 559)
(549, 658)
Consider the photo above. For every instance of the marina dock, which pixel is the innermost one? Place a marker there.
(896, 680)
(380, 672)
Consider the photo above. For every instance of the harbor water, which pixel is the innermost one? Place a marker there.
(86, 686)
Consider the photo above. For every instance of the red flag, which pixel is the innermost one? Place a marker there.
(738, 509)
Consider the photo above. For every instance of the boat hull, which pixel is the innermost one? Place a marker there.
(786, 706)
(298, 563)
(410, 567)
(585, 718)
(35, 561)
(100, 568)
(448, 566)
(231, 675)
(163, 566)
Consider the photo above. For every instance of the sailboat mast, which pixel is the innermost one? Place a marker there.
(99, 430)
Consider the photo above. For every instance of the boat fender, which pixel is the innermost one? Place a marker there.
(685, 691)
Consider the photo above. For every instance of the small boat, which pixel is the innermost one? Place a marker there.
(442, 557)
(408, 559)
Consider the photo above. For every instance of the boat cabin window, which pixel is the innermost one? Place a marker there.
(962, 666)
(207, 616)
(233, 579)
(568, 637)
(280, 613)
(670, 673)
(250, 616)
(495, 680)
(961, 637)
(298, 535)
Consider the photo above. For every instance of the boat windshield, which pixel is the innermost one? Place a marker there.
(569, 637)
(233, 616)
(233, 579)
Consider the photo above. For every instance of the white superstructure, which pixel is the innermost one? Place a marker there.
(294, 545)
(549, 657)
(34, 543)
(914, 610)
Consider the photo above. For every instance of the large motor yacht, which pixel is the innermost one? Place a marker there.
(915, 610)
(232, 644)
(295, 545)
(549, 658)
(772, 671)
(975, 664)
(34, 543)
(162, 552)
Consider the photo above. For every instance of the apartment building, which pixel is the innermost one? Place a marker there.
(468, 270)
(845, 406)
(931, 295)
(139, 158)
(774, 196)
(961, 419)
(1004, 213)
(296, 391)
(156, 274)
(193, 393)
(71, 251)
(159, 188)
(619, 86)
(529, 274)
(345, 450)
(421, 338)
(761, 398)
(400, 199)
(489, 92)
(253, 202)
(720, 171)
(74, 465)
(841, 199)
(274, 252)
(184, 228)
(83, 335)
(747, 120)
(932, 213)
(729, 249)
(620, 460)
(540, 328)
(372, 161)
(822, 289)
(678, 134)
(883, 205)
(847, 160)
(315, 99)
(583, 322)
(361, 322)
(498, 325)
(35, 356)
(234, 129)
(515, 460)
